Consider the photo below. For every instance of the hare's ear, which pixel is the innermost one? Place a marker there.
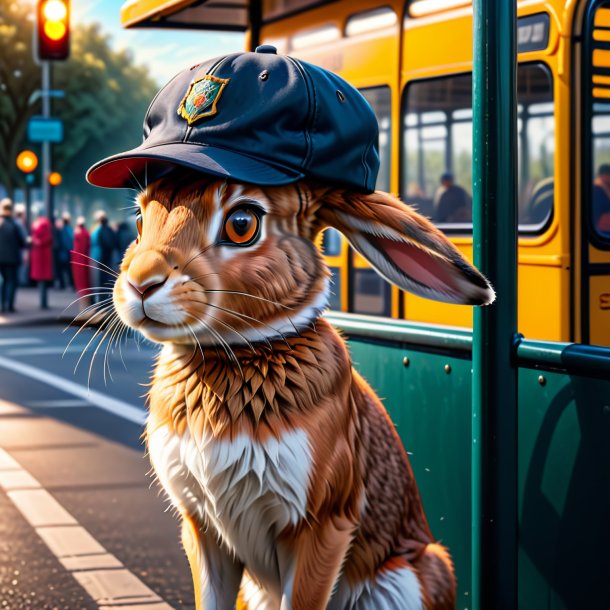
(404, 247)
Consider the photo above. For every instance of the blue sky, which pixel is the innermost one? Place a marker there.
(165, 52)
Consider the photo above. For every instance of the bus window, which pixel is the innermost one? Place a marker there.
(536, 146)
(371, 294)
(437, 149)
(600, 126)
(274, 9)
(380, 100)
(331, 246)
(331, 242)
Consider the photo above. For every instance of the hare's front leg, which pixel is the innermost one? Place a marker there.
(309, 579)
(216, 574)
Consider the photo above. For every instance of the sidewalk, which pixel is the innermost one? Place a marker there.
(28, 309)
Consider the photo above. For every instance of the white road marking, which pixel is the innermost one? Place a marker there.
(112, 405)
(67, 402)
(45, 350)
(20, 341)
(100, 573)
(17, 479)
(39, 507)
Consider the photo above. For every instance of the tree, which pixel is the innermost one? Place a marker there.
(106, 96)
(19, 78)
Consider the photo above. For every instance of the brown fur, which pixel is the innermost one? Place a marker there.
(301, 380)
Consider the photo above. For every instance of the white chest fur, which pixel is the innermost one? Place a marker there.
(248, 491)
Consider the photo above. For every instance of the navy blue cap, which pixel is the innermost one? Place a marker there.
(259, 117)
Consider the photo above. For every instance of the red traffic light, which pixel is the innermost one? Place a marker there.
(53, 29)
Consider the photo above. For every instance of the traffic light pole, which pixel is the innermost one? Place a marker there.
(47, 161)
(46, 145)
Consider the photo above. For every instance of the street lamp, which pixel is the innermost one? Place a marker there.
(27, 162)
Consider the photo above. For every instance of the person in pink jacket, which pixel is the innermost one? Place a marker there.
(81, 262)
(41, 256)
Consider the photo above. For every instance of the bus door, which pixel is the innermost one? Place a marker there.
(594, 284)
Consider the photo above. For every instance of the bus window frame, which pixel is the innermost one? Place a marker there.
(593, 236)
(377, 9)
(314, 4)
(390, 130)
(464, 230)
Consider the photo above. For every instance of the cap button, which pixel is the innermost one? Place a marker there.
(266, 48)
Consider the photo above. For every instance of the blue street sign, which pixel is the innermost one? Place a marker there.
(45, 129)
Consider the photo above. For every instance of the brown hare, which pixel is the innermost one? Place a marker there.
(294, 489)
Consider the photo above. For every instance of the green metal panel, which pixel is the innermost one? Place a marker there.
(564, 491)
(563, 460)
(431, 410)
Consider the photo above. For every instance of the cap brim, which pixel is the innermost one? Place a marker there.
(138, 167)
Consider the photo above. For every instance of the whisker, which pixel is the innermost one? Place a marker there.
(245, 319)
(199, 277)
(103, 265)
(118, 327)
(252, 296)
(111, 325)
(84, 296)
(226, 347)
(94, 268)
(97, 332)
(233, 330)
(136, 180)
(200, 253)
(82, 328)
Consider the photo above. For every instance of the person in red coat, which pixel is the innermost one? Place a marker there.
(81, 262)
(41, 256)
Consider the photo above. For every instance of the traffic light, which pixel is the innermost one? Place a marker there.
(53, 29)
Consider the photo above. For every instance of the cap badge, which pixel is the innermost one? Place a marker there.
(201, 98)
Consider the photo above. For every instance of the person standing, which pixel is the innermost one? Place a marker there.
(41, 256)
(20, 220)
(103, 244)
(66, 238)
(11, 243)
(81, 262)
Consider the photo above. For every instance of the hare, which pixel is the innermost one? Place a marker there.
(294, 489)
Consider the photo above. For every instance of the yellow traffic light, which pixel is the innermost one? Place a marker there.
(27, 161)
(53, 29)
(55, 178)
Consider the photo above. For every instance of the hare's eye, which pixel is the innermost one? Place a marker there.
(242, 227)
(139, 223)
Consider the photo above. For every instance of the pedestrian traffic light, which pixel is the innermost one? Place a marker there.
(53, 29)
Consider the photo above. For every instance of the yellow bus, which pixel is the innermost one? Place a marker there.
(413, 61)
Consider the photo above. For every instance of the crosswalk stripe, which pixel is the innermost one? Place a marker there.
(100, 573)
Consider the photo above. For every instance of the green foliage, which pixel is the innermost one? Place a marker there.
(106, 97)
(19, 78)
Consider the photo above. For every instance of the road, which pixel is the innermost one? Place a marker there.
(82, 523)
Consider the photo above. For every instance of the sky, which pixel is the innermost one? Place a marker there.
(164, 51)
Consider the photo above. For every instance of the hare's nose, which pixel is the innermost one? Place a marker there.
(149, 287)
(147, 273)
